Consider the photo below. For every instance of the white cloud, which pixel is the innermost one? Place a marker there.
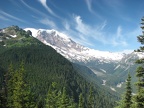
(89, 6)
(86, 33)
(80, 26)
(44, 3)
(3, 18)
(66, 25)
(33, 9)
(10, 16)
(102, 26)
(48, 22)
(115, 4)
(119, 30)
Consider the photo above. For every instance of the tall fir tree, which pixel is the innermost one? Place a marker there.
(18, 95)
(10, 86)
(91, 100)
(128, 94)
(52, 97)
(126, 99)
(139, 97)
(64, 99)
(81, 101)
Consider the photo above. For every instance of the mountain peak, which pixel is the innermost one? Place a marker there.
(70, 49)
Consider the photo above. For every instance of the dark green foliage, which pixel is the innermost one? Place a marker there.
(139, 97)
(81, 101)
(128, 94)
(126, 99)
(43, 66)
(17, 93)
(91, 99)
(64, 101)
(52, 98)
(29, 33)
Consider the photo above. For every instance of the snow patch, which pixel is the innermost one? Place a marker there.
(103, 70)
(104, 82)
(113, 89)
(133, 94)
(119, 85)
(117, 67)
(14, 36)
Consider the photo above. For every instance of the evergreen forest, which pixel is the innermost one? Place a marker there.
(34, 75)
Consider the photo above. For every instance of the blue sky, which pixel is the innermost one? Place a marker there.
(108, 25)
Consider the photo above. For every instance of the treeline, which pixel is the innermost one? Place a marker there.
(43, 66)
(137, 100)
(16, 94)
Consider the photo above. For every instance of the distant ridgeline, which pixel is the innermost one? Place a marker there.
(33, 75)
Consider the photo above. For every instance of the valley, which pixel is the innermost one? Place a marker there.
(111, 67)
(53, 61)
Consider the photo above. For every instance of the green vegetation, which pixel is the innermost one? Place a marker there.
(139, 97)
(136, 101)
(33, 75)
(126, 100)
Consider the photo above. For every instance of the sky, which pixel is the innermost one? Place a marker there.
(106, 25)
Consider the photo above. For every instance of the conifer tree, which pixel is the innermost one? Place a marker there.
(81, 101)
(126, 100)
(10, 85)
(72, 103)
(64, 99)
(51, 98)
(128, 94)
(18, 94)
(91, 98)
(139, 97)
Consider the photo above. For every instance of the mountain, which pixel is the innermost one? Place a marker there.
(70, 49)
(43, 66)
(111, 67)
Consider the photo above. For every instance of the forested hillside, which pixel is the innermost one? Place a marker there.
(46, 79)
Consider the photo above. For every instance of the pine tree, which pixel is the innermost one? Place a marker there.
(50, 99)
(81, 101)
(53, 95)
(126, 100)
(128, 94)
(139, 97)
(17, 90)
(64, 99)
(10, 85)
(91, 98)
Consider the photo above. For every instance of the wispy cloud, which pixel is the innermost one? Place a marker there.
(9, 16)
(89, 6)
(33, 9)
(4, 18)
(48, 22)
(66, 25)
(43, 18)
(115, 4)
(86, 34)
(44, 3)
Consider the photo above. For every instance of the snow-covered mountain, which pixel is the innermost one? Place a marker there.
(72, 50)
(110, 67)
